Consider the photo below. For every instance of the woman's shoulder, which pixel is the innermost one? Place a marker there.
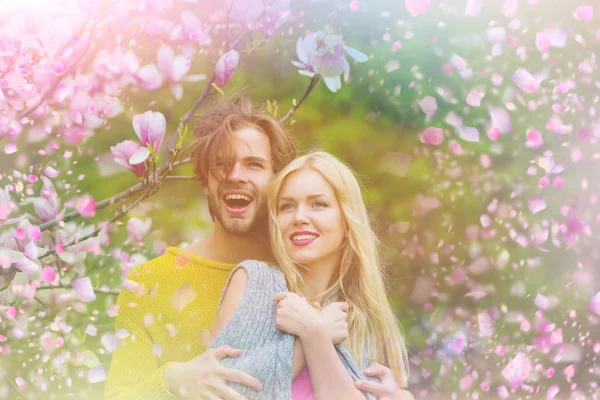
(260, 272)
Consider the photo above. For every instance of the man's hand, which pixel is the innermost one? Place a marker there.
(204, 378)
(386, 388)
(335, 319)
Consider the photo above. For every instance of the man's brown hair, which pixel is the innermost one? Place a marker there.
(214, 132)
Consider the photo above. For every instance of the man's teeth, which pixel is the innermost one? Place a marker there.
(304, 237)
(238, 197)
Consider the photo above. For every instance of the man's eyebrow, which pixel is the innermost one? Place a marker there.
(256, 158)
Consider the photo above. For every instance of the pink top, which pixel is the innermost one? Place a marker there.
(302, 386)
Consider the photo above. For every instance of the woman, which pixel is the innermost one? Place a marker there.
(326, 252)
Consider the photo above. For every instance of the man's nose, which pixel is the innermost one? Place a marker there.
(237, 174)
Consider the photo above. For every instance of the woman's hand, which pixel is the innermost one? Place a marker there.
(335, 319)
(296, 316)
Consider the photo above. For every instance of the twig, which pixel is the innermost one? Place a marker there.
(103, 225)
(311, 85)
(111, 200)
(96, 289)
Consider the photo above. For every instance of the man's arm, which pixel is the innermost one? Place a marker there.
(134, 371)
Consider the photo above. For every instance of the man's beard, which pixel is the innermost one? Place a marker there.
(238, 226)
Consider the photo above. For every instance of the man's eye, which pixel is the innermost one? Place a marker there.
(256, 165)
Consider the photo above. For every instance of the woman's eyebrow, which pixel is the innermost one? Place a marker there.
(309, 197)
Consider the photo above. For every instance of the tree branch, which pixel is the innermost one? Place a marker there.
(58, 80)
(112, 200)
(103, 225)
(311, 86)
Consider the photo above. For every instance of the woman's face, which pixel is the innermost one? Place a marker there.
(310, 219)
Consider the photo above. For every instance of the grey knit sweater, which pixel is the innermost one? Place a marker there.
(266, 351)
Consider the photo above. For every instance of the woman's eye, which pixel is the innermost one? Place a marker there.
(319, 204)
(256, 165)
(285, 207)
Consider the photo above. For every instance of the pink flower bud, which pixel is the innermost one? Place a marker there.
(225, 68)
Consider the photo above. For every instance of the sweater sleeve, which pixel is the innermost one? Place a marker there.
(354, 369)
(266, 351)
(135, 371)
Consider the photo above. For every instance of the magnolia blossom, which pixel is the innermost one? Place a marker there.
(174, 69)
(83, 289)
(323, 54)
(47, 206)
(124, 151)
(4, 205)
(150, 127)
(226, 66)
(252, 13)
(138, 228)
(86, 205)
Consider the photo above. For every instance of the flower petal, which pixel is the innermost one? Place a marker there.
(140, 156)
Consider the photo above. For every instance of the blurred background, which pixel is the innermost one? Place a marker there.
(487, 230)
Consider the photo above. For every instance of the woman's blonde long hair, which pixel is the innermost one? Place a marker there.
(359, 281)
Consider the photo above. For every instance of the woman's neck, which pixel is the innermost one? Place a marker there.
(317, 278)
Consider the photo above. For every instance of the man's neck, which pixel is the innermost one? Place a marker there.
(225, 247)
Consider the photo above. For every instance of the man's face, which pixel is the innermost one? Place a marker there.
(239, 201)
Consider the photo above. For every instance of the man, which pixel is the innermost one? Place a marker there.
(168, 305)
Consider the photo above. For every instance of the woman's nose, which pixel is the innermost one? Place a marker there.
(300, 218)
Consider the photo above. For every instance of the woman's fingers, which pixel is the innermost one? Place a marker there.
(235, 376)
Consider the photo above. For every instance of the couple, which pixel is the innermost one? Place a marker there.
(260, 307)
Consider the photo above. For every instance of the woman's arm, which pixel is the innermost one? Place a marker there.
(231, 301)
(298, 360)
(329, 377)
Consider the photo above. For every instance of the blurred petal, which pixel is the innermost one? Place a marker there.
(83, 289)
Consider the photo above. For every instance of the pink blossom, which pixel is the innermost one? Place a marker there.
(417, 7)
(150, 128)
(525, 81)
(86, 206)
(138, 228)
(534, 140)
(47, 206)
(594, 303)
(48, 274)
(428, 105)
(5, 207)
(149, 77)
(225, 67)
(324, 54)
(193, 28)
(83, 289)
(433, 136)
(543, 41)
(172, 67)
(584, 12)
(517, 370)
(123, 152)
(278, 12)
(355, 5)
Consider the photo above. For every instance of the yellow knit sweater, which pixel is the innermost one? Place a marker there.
(167, 306)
